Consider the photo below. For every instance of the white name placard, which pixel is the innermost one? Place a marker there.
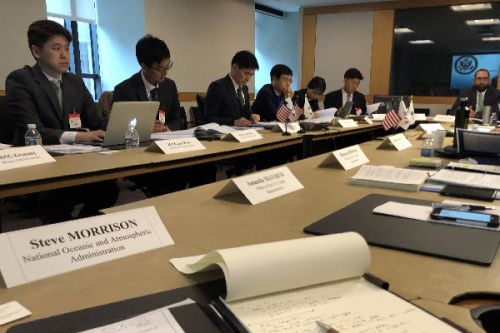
(420, 117)
(444, 118)
(429, 128)
(291, 127)
(12, 311)
(398, 141)
(367, 120)
(378, 116)
(37, 253)
(348, 158)
(18, 157)
(346, 123)
(174, 146)
(243, 136)
(263, 186)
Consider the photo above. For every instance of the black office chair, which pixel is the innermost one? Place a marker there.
(487, 317)
(184, 124)
(197, 117)
(6, 124)
(202, 104)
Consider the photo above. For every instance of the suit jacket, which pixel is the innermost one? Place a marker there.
(31, 99)
(133, 89)
(222, 104)
(334, 100)
(491, 98)
(299, 97)
(267, 103)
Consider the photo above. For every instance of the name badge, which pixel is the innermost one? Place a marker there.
(174, 146)
(74, 120)
(348, 158)
(398, 141)
(40, 252)
(243, 136)
(161, 116)
(291, 127)
(18, 157)
(263, 186)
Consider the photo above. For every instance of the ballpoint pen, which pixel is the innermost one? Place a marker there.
(326, 328)
(462, 206)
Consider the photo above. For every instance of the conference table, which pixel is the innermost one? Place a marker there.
(232, 221)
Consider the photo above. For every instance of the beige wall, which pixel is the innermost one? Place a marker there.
(344, 40)
(15, 17)
(202, 36)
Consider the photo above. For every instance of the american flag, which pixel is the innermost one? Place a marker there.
(391, 120)
(285, 114)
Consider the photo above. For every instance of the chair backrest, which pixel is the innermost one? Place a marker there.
(200, 100)
(182, 111)
(104, 103)
(6, 123)
(197, 118)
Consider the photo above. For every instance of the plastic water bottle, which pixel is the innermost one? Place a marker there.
(131, 136)
(32, 137)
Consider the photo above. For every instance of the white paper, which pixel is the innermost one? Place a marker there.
(372, 108)
(409, 211)
(12, 311)
(431, 127)
(72, 149)
(174, 146)
(444, 118)
(354, 306)
(420, 116)
(243, 135)
(471, 179)
(368, 120)
(389, 177)
(40, 252)
(474, 167)
(348, 158)
(271, 267)
(264, 185)
(326, 113)
(155, 321)
(12, 158)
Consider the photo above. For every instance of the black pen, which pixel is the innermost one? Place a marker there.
(217, 318)
(221, 312)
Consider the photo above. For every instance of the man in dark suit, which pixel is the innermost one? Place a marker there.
(227, 100)
(61, 107)
(272, 95)
(337, 98)
(480, 95)
(151, 83)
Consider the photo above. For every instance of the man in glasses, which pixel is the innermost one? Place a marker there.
(480, 95)
(151, 83)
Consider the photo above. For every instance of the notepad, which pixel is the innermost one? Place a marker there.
(287, 286)
(389, 177)
(472, 179)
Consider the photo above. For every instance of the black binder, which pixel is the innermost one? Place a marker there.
(471, 245)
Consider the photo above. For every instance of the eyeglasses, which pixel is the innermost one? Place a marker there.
(164, 69)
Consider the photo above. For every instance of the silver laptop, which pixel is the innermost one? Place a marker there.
(123, 113)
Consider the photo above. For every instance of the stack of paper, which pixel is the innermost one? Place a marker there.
(66, 149)
(470, 179)
(389, 177)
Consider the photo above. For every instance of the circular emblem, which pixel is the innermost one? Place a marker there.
(466, 64)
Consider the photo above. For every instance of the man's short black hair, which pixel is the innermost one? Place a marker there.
(353, 73)
(317, 83)
(482, 70)
(245, 59)
(150, 50)
(279, 70)
(39, 32)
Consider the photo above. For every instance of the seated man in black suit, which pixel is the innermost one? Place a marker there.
(480, 95)
(337, 98)
(227, 101)
(46, 95)
(151, 83)
(315, 88)
(272, 95)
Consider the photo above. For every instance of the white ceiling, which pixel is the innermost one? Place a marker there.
(294, 5)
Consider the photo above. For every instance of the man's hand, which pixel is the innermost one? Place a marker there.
(160, 126)
(255, 117)
(472, 113)
(242, 122)
(91, 136)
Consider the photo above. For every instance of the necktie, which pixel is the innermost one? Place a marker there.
(153, 94)
(240, 97)
(56, 84)
(480, 102)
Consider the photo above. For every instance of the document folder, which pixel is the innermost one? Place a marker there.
(471, 245)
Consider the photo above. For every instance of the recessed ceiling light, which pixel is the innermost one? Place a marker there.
(483, 22)
(421, 41)
(402, 30)
(491, 39)
(477, 6)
